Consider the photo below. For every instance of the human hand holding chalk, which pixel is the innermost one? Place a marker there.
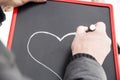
(92, 41)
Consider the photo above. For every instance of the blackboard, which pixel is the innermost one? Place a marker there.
(43, 34)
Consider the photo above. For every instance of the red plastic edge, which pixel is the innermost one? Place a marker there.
(86, 3)
(12, 27)
(115, 51)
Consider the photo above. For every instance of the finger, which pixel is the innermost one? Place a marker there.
(7, 8)
(100, 27)
(27, 1)
(38, 1)
(81, 29)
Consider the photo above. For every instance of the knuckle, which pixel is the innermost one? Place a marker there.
(100, 23)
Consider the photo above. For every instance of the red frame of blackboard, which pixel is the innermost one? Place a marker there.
(115, 50)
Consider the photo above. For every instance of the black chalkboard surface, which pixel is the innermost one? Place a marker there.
(44, 32)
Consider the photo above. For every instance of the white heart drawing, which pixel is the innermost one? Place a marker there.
(48, 33)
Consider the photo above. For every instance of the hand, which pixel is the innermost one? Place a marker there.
(95, 43)
(9, 4)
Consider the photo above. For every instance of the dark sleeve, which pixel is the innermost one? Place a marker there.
(2, 16)
(84, 68)
(8, 67)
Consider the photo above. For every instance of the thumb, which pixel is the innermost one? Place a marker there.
(7, 8)
(37, 1)
(81, 29)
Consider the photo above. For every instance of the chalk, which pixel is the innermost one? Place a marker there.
(92, 27)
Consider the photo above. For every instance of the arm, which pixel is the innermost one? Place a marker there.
(85, 67)
(8, 67)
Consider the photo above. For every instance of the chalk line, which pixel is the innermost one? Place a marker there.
(48, 33)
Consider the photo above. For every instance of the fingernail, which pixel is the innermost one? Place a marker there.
(45, 0)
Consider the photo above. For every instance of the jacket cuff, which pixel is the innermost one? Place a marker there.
(79, 55)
